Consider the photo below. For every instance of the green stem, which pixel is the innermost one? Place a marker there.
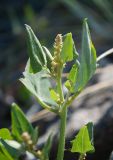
(63, 116)
(61, 145)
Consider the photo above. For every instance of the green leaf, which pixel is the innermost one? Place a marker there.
(35, 135)
(20, 123)
(72, 77)
(38, 84)
(75, 53)
(48, 57)
(83, 142)
(87, 59)
(54, 95)
(5, 134)
(4, 154)
(68, 85)
(9, 150)
(68, 50)
(47, 147)
(35, 50)
(73, 73)
(28, 68)
(3, 157)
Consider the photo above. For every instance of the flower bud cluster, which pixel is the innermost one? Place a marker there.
(56, 62)
(58, 44)
(59, 101)
(29, 144)
(27, 140)
(39, 154)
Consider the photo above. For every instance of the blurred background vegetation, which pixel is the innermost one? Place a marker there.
(47, 18)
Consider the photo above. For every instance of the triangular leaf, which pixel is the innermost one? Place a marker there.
(68, 50)
(83, 142)
(19, 123)
(38, 84)
(36, 53)
(87, 59)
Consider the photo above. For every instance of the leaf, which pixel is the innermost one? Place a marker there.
(47, 147)
(3, 157)
(10, 151)
(28, 68)
(68, 50)
(75, 53)
(5, 134)
(20, 123)
(47, 53)
(38, 84)
(36, 53)
(87, 59)
(48, 57)
(72, 77)
(54, 95)
(35, 135)
(68, 85)
(73, 73)
(83, 142)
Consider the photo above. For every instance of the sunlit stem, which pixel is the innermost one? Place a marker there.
(63, 116)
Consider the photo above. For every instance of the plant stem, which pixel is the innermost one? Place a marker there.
(63, 116)
(61, 145)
